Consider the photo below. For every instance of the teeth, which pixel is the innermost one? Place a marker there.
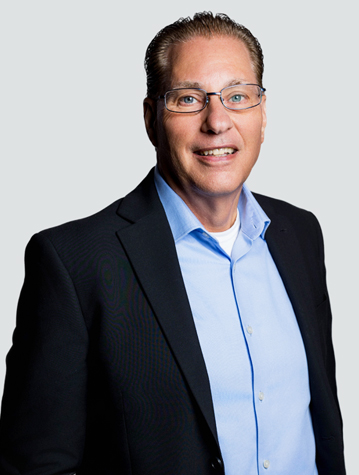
(217, 151)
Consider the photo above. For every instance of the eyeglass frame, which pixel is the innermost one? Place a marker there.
(163, 96)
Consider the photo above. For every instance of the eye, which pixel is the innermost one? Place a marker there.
(185, 100)
(236, 98)
(188, 100)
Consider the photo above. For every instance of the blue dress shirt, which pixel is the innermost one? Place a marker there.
(250, 341)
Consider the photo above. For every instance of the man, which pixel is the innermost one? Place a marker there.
(186, 328)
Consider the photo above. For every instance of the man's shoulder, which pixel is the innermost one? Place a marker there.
(80, 235)
(100, 221)
(102, 226)
(275, 207)
(278, 204)
(295, 222)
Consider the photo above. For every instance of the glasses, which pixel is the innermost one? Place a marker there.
(238, 97)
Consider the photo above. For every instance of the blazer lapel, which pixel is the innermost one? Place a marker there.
(148, 242)
(284, 247)
(285, 250)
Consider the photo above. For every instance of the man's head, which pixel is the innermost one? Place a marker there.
(206, 154)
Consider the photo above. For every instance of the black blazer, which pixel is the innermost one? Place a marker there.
(106, 375)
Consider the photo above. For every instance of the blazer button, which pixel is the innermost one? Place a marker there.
(217, 463)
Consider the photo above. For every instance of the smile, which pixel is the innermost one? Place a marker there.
(217, 151)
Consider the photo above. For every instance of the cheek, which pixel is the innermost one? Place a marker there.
(252, 134)
(178, 136)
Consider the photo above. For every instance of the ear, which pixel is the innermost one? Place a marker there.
(264, 116)
(150, 116)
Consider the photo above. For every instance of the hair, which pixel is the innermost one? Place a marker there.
(203, 24)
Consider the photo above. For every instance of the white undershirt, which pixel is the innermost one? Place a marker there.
(226, 239)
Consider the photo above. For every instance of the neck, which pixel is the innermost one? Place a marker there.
(216, 213)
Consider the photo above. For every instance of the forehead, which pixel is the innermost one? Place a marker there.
(209, 62)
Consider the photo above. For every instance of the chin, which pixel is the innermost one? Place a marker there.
(218, 189)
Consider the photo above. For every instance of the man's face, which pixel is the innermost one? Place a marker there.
(182, 139)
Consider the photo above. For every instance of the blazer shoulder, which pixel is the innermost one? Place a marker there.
(135, 204)
(278, 208)
(301, 224)
(83, 232)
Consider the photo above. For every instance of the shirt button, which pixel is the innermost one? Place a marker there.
(217, 463)
(261, 396)
(266, 464)
(249, 329)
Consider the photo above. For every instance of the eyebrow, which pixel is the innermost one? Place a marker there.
(237, 81)
(197, 85)
(186, 84)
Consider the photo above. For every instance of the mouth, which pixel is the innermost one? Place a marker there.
(216, 152)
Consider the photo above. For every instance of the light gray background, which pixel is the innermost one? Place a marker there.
(73, 140)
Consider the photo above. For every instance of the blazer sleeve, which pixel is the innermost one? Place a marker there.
(326, 415)
(42, 426)
(324, 310)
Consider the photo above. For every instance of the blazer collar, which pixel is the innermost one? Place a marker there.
(148, 242)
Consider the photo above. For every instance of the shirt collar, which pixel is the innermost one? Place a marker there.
(254, 221)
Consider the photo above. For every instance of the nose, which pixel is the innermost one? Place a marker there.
(216, 118)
